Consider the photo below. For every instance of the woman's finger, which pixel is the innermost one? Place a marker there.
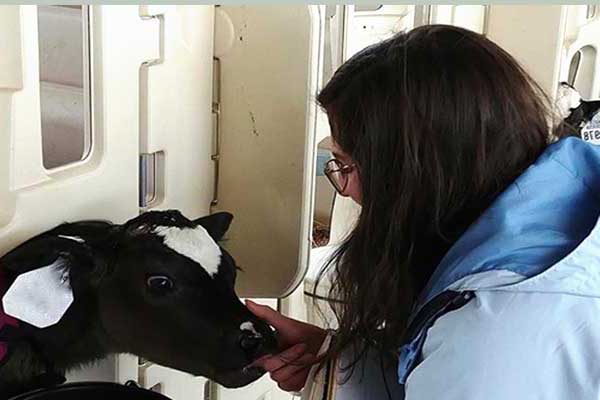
(296, 382)
(286, 357)
(268, 314)
(285, 373)
(289, 331)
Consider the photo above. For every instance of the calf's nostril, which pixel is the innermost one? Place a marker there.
(250, 342)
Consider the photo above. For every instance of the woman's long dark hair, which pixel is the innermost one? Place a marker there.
(439, 121)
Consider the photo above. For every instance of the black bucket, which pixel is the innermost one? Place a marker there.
(91, 391)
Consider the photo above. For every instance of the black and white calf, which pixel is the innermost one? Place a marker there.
(578, 117)
(158, 286)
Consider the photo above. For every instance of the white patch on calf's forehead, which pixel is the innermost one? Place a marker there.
(193, 243)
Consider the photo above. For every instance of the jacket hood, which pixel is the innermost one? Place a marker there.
(541, 234)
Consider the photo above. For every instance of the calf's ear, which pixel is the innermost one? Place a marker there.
(591, 108)
(216, 224)
(47, 271)
(85, 249)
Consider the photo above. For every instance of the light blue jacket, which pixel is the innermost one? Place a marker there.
(513, 310)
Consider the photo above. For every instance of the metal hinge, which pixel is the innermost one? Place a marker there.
(423, 15)
(216, 110)
(486, 19)
(336, 26)
(152, 179)
(147, 192)
(592, 11)
(150, 164)
(209, 390)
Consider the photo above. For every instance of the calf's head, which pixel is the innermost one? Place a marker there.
(578, 117)
(161, 288)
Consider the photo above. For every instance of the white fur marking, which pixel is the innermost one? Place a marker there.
(567, 99)
(75, 238)
(193, 243)
(249, 326)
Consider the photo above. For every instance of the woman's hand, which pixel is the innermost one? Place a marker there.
(302, 342)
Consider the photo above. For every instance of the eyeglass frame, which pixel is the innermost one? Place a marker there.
(345, 169)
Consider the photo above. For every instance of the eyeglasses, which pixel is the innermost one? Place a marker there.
(337, 173)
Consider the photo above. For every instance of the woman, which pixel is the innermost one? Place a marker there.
(474, 260)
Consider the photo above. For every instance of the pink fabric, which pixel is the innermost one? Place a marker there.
(6, 322)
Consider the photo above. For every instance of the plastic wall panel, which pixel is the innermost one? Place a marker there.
(176, 117)
(104, 186)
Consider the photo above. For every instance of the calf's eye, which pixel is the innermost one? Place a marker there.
(159, 284)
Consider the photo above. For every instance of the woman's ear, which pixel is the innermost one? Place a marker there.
(216, 224)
